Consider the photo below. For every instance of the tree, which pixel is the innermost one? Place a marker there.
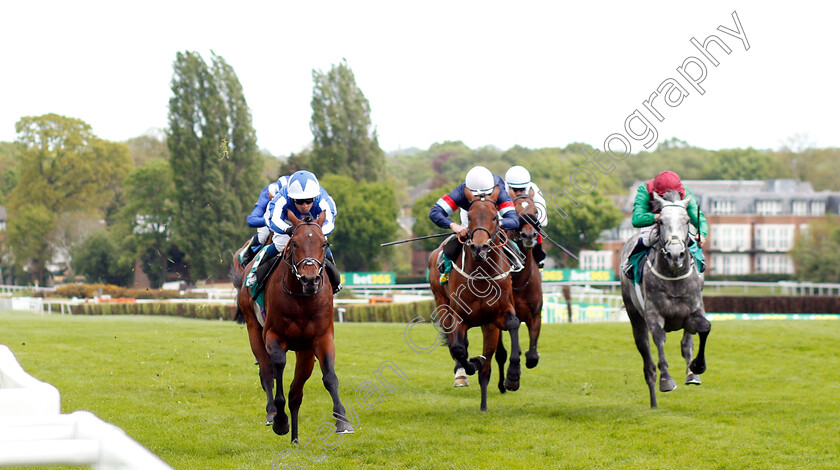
(214, 159)
(344, 143)
(816, 253)
(63, 168)
(743, 164)
(582, 225)
(148, 215)
(423, 225)
(367, 216)
(149, 146)
(97, 257)
(9, 158)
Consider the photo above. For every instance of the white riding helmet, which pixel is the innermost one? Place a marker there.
(303, 185)
(517, 177)
(480, 181)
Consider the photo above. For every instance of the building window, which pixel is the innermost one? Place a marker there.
(596, 260)
(774, 237)
(726, 263)
(818, 208)
(722, 207)
(800, 208)
(730, 237)
(774, 263)
(768, 207)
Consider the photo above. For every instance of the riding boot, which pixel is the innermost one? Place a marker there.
(267, 252)
(250, 251)
(539, 255)
(451, 250)
(333, 274)
(514, 256)
(628, 268)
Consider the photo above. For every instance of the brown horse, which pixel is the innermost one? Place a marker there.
(246, 310)
(299, 317)
(479, 293)
(527, 283)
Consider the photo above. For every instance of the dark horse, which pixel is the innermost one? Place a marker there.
(299, 317)
(527, 283)
(246, 310)
(669, 298)
(479, 293)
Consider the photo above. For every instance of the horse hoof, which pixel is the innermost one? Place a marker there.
(269, 419)
(461, 382)
(666, 384)
(281, 428)
(477, 362)
(343, 427)
(512, 385)
(531, 362)
(692, 379)
(502, 388)
(697, 367)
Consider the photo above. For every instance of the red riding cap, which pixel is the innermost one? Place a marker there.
(664, 182)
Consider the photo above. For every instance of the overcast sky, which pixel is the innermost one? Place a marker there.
(537, 74)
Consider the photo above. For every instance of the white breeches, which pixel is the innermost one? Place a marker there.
(280, 240)
(262, 234)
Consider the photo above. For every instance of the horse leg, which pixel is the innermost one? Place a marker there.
(492, 336)
(703, 327)
(266, 373)
(666, 382)
(325, 352)
(640, 334)
(687, 346)
(532, 357)
(277, 356)
(501, 357)
(458, 350)
(304, 362)
(514, 369)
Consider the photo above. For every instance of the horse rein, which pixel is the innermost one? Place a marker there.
(308, 261)
(492, 236)
(664, 244)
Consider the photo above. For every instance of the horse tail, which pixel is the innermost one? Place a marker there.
(235, 277)
(239, 317)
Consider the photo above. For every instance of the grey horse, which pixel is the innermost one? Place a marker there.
(669, 297)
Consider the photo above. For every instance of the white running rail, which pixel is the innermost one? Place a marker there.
(32, 432)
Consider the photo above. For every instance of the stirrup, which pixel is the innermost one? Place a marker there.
(337, 289)
(628, 271)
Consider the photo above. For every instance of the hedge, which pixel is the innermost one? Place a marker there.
(390, 313)
(180, 309)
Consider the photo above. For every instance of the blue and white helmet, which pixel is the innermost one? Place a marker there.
(303, 185)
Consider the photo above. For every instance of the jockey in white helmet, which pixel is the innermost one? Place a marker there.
(258, 219)
(479, 181)
(518, 179)
(303, 195)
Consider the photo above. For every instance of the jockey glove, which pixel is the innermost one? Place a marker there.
(289, 230)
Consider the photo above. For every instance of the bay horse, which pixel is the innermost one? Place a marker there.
(246, 310)
(479, 293)
(526, 284)
(299, 317)
(669, 297)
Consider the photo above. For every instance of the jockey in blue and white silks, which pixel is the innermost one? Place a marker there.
(258, 218)
(302, 195)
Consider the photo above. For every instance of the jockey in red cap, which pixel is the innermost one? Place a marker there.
(645, 219)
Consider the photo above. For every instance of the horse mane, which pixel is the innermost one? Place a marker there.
(670, 196)
(307, 219)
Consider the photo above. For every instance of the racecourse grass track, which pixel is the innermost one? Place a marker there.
(188, 390)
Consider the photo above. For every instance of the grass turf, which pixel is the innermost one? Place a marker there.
(188, 390)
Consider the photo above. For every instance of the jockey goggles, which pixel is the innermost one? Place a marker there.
(304, 201)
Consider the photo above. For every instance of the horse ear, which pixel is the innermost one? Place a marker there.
(321, 218)
(658, 199)
(292, 218)
(495, 194)
(510, 193)
(684, 201)
(468, 194)
(531, 193)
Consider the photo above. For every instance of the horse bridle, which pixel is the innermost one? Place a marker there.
(533, 213)
(664, 244)
(486, 248)
(308, 261)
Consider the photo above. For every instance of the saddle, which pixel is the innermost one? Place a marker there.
(262, 275)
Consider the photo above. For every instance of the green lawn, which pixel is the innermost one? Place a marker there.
(188, 390)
